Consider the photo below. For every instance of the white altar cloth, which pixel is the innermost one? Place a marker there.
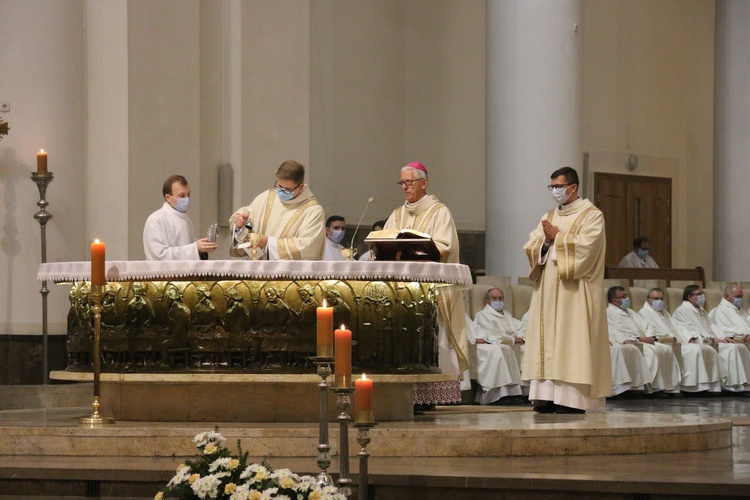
(136, 270)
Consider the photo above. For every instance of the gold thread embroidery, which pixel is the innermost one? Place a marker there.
(290, 249)
(567, 246)
(445, 307)
(267, 213)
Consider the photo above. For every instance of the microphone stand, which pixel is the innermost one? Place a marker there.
(351, 252)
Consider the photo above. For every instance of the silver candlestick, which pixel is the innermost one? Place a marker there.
(343, 402)
(324, 448)
(363, 438)
(42, 180)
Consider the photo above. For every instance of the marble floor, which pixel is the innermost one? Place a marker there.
(723, 472)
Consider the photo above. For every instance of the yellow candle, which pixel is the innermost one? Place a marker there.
(41, 162)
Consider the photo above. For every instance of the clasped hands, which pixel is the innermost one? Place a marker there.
(550, 231)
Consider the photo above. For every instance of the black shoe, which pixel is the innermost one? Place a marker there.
(544, 407)
(568, 409)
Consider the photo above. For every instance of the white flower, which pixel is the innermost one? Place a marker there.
(205, 438)
(242, 492)
(181, 477)
(269, 494)
(206, 487)
(255, 471)
(219, 462)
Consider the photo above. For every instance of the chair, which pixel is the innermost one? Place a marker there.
(521, 299)
(638, 297)
(674, 298)
(713, 298)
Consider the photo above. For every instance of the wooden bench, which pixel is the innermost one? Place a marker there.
(667, 274)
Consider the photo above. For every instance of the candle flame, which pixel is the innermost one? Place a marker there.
(364, 377)
(343, 327)
(41, 152)
(325, 304)
(97, 241)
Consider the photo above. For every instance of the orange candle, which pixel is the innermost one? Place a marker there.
(325, 330)
(343, 362)
(363, 400)
(41, 162)
(97, 263)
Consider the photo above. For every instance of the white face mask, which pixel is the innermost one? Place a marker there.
(700, 300)
(560, 195)
(337, 235)
(658, 305)
(497, 305)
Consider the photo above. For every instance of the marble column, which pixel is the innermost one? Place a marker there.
(731, 140)
(534, 94)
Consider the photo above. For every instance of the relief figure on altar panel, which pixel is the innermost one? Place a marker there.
(376, 328)
(114, 338)
(140, 312)
(275, 321)
(178, 320)
(206, 317)
(407, 345)
(342, 313)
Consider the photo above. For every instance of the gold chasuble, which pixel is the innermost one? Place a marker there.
(567, 337)
(298, 225)
(430, 216)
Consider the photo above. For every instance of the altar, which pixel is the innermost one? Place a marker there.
(197, 320)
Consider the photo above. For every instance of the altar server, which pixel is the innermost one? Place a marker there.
(288, 218)
(701, 369)
(168, 233)
(567, 347)
(693, 320)
(335, 229)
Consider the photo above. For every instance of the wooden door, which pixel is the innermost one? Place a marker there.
(635, 206)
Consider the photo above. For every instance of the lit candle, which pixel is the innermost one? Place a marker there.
(363, 400)
(41, 162)
(97, 263)
(343, 362)
(325, 330)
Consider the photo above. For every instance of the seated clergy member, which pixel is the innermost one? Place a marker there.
(639, 257)
(629, 371)
(700, 362)
(694, 322)
(727, 317)
(335, 229)
(625, 327)
(497, 369)
(168, 233)
(288, 217)
(501, 327)
(368, 255)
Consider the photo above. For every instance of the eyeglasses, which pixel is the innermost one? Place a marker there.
(558, 186)
(408, 183)
(285, 190)
(655, 298)
(696, 294)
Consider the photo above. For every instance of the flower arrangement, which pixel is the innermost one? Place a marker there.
(217, 474)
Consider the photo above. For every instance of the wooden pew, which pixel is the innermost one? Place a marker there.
(668, 274)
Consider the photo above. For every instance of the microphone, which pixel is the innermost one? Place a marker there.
(369, 200)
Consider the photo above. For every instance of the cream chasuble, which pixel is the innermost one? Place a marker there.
(735, 358)
(701, 369)
(567, 339)
(430, 216)
(296, 228)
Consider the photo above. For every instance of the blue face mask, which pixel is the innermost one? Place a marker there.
(642, 253)
(182, 204)
(737, 302)
(497, 305)
(284, 194)
(625, 303)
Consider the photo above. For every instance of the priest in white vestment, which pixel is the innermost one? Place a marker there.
(335, 229)
(497, 370)
(425, 213)
(639, 257)
(500, 325)
(701, 368)
(693, 321)
(629, 371)
(567, 346)
(625, 327)
(168, 233)
(288, 218)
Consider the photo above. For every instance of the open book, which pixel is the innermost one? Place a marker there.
(402, 244)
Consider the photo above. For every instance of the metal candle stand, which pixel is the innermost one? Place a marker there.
(42, 180)
(96, 295)
(363, 438)
(324, 456)
(343, 402)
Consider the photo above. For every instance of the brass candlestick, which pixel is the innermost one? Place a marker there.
(42, 180)
(343, 402)
(324, 448)
(96, 295)
(363, 438)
